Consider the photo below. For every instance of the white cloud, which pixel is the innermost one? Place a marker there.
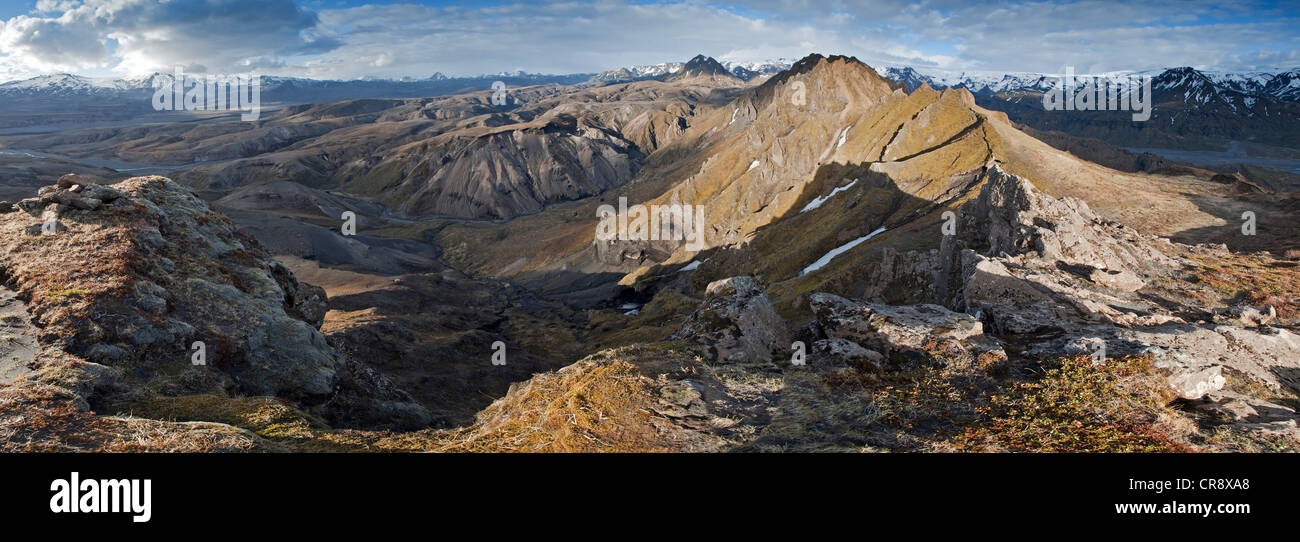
(139, 36)
(393, 40)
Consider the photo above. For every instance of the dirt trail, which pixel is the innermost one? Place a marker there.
(18, 344)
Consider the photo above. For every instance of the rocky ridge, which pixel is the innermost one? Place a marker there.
(140, 291)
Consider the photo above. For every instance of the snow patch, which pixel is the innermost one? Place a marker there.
(819, 200)
(822, 261)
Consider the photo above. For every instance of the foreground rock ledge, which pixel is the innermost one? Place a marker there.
(139, 272)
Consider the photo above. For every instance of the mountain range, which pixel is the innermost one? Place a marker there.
(880, 267)
(1194, 109)
(1283, 85)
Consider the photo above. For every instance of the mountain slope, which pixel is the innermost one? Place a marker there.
(459, 156)
(756, 165)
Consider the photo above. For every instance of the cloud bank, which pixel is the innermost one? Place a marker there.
(133, 37)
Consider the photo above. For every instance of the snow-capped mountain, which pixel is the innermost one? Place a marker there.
(274, 88)
(1283, 84)
(742, 70)
(978, 82)
(1193, 105)
(1248, 82)
(750, 70)
(1192, 86)
(66, 84)
(637, 73)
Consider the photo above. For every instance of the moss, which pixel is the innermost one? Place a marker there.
(44, 418)
(266, 416)
(73, 292)
(1246, 441)
(1239, 382)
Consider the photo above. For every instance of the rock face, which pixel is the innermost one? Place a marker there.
(1053, 274)
(738, 321)
(146, 279)
(1254, 414)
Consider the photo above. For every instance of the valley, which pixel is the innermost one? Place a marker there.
(1231, 156)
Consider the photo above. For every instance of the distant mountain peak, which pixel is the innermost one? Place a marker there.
(702, 65)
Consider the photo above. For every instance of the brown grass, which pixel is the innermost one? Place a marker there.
(1077, 407)
(43, 418)
(1255, 279)
(591, 406)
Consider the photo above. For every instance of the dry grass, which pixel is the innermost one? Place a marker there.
(43, 418)
(1077, 407)
(590, 406)
(1255, 279)
(1071, 405)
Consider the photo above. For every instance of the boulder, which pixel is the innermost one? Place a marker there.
(1245, 315)
(1191, 382)
(738, 321)
(905, 329)
(835, 353)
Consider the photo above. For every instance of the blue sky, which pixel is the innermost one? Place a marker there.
(352, 38)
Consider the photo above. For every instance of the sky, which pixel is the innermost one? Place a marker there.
(347, 39)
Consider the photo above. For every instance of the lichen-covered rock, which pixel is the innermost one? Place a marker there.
(1270, 356)
(1194, 383)
(151, 280)
(838, 353)
(906, 329)
(1253, 414)
(738, 321)
(1054, 273)
(1245, 315)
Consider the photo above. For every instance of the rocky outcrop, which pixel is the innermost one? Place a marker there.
(738, 321)
(1063, 280)
(901, 333)
(1252, 414)
(843, 353)
(1053, 277)
(145, 279)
